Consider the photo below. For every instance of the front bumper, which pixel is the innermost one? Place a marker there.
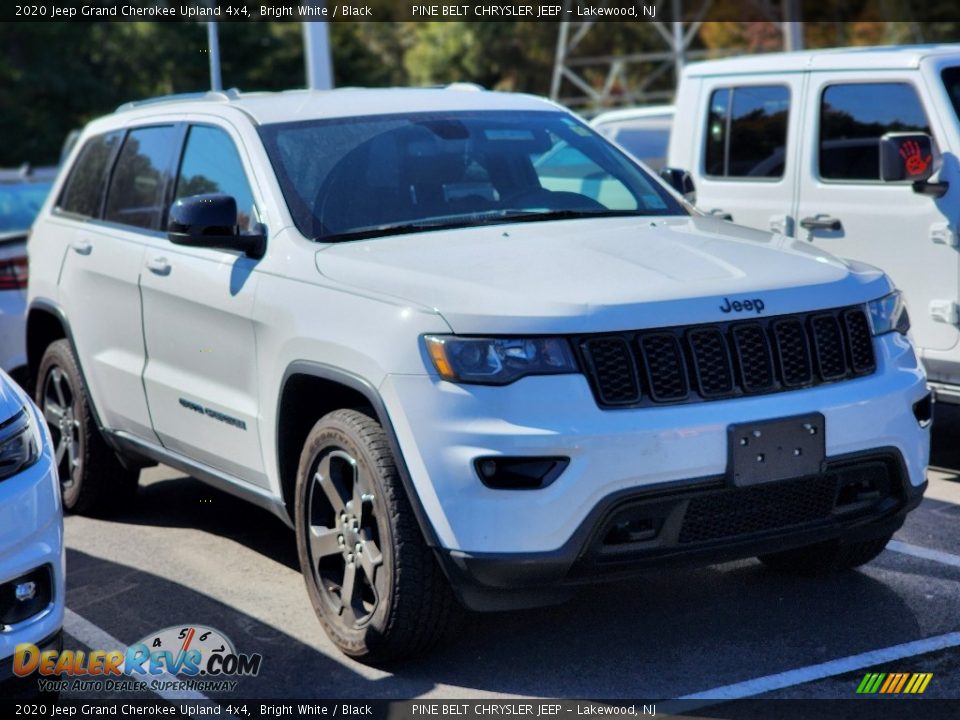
(31, 538)
(858, 497)
(442, 429)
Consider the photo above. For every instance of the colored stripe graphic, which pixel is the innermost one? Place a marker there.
(903, 681)
(894, 683)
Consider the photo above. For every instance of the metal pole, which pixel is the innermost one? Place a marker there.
(213, 43)
(792, 29)
(679, 45)
(316, 43)
(560, 58)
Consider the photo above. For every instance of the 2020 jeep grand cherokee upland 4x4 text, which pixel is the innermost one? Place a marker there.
(466, 347)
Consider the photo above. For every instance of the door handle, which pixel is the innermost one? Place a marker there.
(722, 214)
(821, 222)
(82, 247)
(159, 266)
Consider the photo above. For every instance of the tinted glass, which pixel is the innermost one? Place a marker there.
(427, 171)
(140, 177)
(747, 138)
(951, 80)
(211, 164)
(19, 204)
(854, 117)
(84, 189)
(646, 144)
(715, 144)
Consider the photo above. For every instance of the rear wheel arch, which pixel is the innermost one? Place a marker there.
(46, 324)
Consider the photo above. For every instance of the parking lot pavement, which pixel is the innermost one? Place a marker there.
(188, 554)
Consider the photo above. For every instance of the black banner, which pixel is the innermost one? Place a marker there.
(622, 11)
(489, 709)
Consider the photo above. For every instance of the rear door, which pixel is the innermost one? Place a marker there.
(746, 163)
(101, 267)
(844, 207)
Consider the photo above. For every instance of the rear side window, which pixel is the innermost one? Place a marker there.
(951, 81)
(84, 189)
(853, 118)
(211, 164)
(747, 132)
(141, 177)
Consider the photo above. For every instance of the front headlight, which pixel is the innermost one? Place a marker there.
(889, 314)
(19, 444)
(498, 361)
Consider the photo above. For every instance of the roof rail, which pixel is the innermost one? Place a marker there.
(216, 95)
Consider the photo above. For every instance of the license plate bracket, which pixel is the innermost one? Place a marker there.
(772, 450)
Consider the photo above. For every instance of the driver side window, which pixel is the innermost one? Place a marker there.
(211, 164)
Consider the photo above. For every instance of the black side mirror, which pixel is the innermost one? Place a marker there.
(211, 221)
(681, 181)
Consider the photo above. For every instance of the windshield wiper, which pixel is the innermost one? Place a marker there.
(493, 217)
(383, 230)
(509, 216)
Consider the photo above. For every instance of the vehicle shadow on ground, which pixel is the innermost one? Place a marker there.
(184, 502)
(665, 634)
(137, 603)
(673, 633)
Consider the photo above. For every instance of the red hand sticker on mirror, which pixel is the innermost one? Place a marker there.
(913, 159)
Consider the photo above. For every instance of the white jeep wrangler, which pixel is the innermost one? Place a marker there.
(466, 347)
(853, 150)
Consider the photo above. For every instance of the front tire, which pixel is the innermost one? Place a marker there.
(375, 585)
(92, 479)
(831, 556)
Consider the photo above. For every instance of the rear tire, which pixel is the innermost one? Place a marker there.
(832, 556)
(376, 587)
(92, 479)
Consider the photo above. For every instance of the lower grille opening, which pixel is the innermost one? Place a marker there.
(744, 511)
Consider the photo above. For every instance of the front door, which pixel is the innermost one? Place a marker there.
(844, 207)
(201, 371)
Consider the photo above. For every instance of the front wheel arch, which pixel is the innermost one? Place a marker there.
(309, 391)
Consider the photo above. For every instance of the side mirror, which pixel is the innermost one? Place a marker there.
(211, 221)
(681, 181)
(907, 156)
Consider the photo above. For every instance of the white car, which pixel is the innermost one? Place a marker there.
(466, 347)
(31, 535)
(644, 132)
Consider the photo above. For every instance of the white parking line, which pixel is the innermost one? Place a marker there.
(99, 639)
(769, 683)
(925, 553)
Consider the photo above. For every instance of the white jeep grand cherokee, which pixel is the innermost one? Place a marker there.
(466, 347)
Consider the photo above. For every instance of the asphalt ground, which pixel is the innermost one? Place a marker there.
(187, 554)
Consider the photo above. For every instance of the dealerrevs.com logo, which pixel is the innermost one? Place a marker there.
(180, 657)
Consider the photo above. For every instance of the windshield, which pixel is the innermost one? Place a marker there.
(349, 178)
(19, 204)
(951, 80)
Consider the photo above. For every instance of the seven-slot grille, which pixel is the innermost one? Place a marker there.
(723, 360)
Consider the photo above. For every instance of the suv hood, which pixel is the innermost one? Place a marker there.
(599, 274)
